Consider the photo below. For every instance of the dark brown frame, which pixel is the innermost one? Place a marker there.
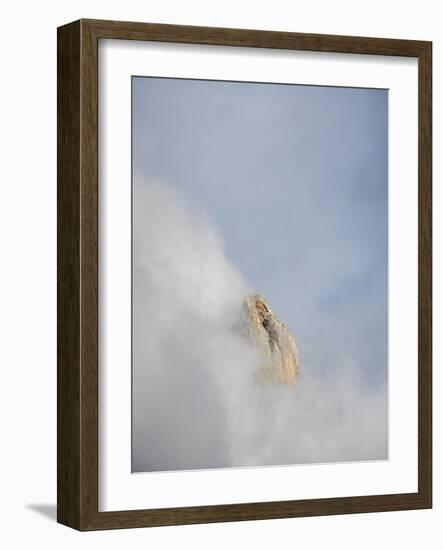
(77, 428)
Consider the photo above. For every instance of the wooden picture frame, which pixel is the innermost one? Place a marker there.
(77, 455)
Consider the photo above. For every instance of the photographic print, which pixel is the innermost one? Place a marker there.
(244, 282)
(259, 274)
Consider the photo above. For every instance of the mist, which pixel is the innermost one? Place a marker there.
(196, 400)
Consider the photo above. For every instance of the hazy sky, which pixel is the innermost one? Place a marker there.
(293, 179)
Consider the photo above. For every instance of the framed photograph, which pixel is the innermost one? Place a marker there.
(244, 274)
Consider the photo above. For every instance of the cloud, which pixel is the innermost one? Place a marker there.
(196, 400)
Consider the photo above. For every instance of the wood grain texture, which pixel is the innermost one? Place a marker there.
(254, 38)
(425, 274)
(68, 275)
(77, 172)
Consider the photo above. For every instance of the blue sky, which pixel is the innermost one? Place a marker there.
(295, 180)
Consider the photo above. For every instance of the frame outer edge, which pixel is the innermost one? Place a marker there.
(425, 274)
(225, 36)
(68, 275)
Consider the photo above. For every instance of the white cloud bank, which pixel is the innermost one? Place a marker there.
(196, 402)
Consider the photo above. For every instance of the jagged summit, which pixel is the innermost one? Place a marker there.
(274, 340)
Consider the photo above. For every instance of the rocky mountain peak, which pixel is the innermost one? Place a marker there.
(274, 340)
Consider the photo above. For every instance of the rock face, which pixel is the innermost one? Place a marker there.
(276, 344)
